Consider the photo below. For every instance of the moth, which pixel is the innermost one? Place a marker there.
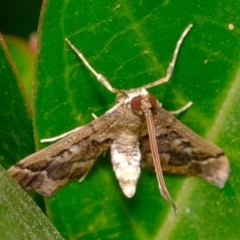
(138, 131)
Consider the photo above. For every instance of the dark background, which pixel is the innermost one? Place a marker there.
(19, 18)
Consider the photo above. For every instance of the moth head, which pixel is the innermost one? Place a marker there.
(142, 102)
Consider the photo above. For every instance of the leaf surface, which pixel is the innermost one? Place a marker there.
(131, 43)
(20, 217)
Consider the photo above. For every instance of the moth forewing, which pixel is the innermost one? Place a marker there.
(72, 157)
(184, 152)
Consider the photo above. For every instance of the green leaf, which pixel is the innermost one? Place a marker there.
(20, 217)
(16, 136)
(23, 57)
(131, 43)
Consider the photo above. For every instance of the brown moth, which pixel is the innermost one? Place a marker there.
(138, 131)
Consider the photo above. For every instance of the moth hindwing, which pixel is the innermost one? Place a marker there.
(138, 131)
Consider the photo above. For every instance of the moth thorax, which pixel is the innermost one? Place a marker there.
(142, 102)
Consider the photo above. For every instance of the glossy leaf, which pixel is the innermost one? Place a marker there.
(20, 217)
(16, 125)
(23, 57)
(131, 43)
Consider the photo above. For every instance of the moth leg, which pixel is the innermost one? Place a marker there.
(99, 76)
(172, 63)
(53, 139)
(182, 109)
(94, 116)
(88, 170)
(106, 83)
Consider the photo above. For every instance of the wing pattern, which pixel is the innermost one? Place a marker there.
(184, 152)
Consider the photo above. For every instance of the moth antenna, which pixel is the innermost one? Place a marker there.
(156, 160)
(99, 76)
(172, 63)
(182, 109)
(154, 149)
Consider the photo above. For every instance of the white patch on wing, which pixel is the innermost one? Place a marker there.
(74, 149)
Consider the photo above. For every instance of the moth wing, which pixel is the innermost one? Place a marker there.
(72, 157)
(182, 151)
